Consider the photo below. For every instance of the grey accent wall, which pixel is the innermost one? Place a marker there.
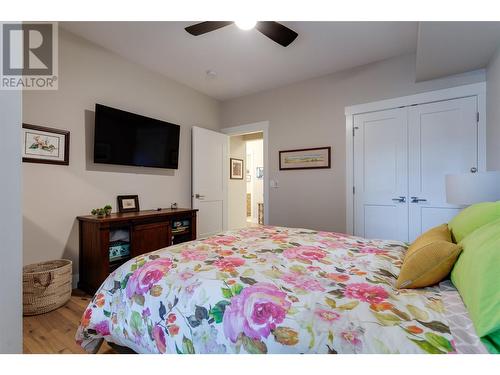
(10, 223)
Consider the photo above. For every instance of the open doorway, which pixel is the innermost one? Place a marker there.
(254, 178)
(246, 180)
(237, 188)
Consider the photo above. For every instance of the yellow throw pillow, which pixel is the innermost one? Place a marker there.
(429, 259)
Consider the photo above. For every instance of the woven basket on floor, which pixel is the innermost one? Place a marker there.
(46, 286)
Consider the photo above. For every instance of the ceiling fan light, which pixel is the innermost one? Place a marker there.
(245, 24)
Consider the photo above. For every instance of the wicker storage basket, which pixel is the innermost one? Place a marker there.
(46, 286)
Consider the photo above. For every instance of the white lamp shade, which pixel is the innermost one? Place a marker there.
(470, 188)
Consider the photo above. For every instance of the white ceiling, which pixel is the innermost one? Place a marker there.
(246, 61)
(446, 48)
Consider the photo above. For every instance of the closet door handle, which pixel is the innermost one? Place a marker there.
(400, 199)
(417, 200)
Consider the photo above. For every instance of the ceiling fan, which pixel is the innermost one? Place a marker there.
(273, 30)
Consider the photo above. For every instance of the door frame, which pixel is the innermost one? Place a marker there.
(476, 89)
(256, 127)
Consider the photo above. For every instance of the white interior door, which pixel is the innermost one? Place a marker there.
(443, 139)
(380, 175)
(209, 180)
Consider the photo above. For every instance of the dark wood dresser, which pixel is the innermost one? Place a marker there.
(133, 233)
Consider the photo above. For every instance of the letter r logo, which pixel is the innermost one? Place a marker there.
(27, 49)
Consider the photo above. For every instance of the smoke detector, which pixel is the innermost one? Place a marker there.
(210, 74)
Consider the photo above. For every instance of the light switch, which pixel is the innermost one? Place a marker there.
(274, 183)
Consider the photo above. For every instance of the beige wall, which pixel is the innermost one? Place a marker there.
(55, 195)
(237, 188)
(311, 114)
(493, 112)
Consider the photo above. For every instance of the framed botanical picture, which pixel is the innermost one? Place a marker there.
(236, 169)
(309, 158)
(45, 145)
(128, 203)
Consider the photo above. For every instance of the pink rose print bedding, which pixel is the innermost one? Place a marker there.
(267, 290)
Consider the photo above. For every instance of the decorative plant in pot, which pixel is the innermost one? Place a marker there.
(101, 212)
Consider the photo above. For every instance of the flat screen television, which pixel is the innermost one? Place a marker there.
(126, 138)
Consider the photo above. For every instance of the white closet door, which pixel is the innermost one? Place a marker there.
(442, 140)
(380, 178)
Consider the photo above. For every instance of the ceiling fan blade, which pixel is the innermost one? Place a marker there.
(206, 27)
(277, 32)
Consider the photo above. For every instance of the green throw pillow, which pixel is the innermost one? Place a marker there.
(476, 276)
(492, 342)
(472, 218)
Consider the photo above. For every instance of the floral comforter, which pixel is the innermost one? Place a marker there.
(267, 290)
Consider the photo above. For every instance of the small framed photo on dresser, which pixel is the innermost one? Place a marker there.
(128, 203)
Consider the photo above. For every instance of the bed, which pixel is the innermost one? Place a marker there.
(275, 290)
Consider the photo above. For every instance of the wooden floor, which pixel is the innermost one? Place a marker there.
(54, 332)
